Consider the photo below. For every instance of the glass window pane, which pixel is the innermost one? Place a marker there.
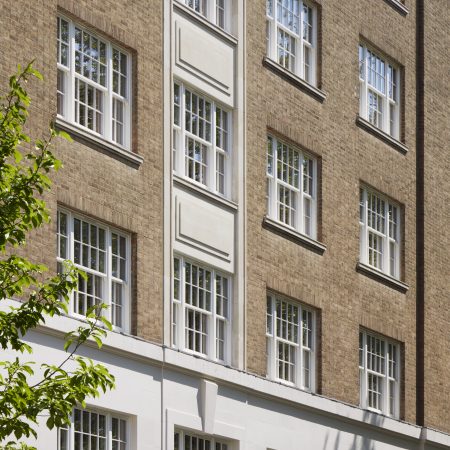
(93, 59)
(381, 388)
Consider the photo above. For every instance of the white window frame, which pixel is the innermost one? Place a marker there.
(214, 443)
(208, 9)
(387, 88)
(108, 279)
(69, 76)
(300, 196)
(213, 151)
(302, 46)
(301, 348)
(388, 375)
(66, 435)
(390, 238)
(180, 307)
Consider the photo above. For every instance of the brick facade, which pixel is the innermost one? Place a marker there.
(436, 215)
(91, 181)
(129, 196)
(347, 300)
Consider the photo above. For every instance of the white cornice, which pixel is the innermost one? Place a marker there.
(158, 355)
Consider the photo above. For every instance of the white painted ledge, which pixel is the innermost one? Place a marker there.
(157, 355)
(279, 391)
(383, 277)
(294, 79)
(376, 132)
(104, 146)
(301, 239)
(436, 437)
(203, 192)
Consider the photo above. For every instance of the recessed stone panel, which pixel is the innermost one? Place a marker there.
(203, 230)
(203, 59)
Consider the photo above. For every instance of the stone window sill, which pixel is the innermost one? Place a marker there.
(382, 277)
(394, 143)
(100, 144)
(220, 201)
(399, 6)
(294, 79)
(294, 236)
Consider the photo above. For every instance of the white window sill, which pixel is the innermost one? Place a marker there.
(379, 412)
(293, 235)
(204, 22)
(399, 6)
(115, 329)
(383, 277)
(200, 356)
(289, 384)
(221, 201)
(367, 126)
(100, 144)
(294, 79)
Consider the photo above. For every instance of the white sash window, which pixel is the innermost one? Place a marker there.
(93, 83)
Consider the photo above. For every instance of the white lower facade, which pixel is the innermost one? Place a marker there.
(160, 391)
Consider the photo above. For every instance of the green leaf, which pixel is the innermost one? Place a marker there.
(98, 341)
(67, 344)
(37, 74)
(106, 322)
(64, 135)
(26, 168)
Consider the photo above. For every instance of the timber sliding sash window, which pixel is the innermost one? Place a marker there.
(185, 440)
(217, 12)
(291, 36)
(93, 83)
(380, 232)
(94, 430)
(379, 81)
(290, 333)
(379, 368)
(291, 187)
(201, 140)
(201, 310)
(103, 253)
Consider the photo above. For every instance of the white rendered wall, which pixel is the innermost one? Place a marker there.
(160, 389)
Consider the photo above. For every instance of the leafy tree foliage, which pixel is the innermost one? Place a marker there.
(30, 392)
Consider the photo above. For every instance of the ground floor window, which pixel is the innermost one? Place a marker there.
(94, 430)
(189, 441)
